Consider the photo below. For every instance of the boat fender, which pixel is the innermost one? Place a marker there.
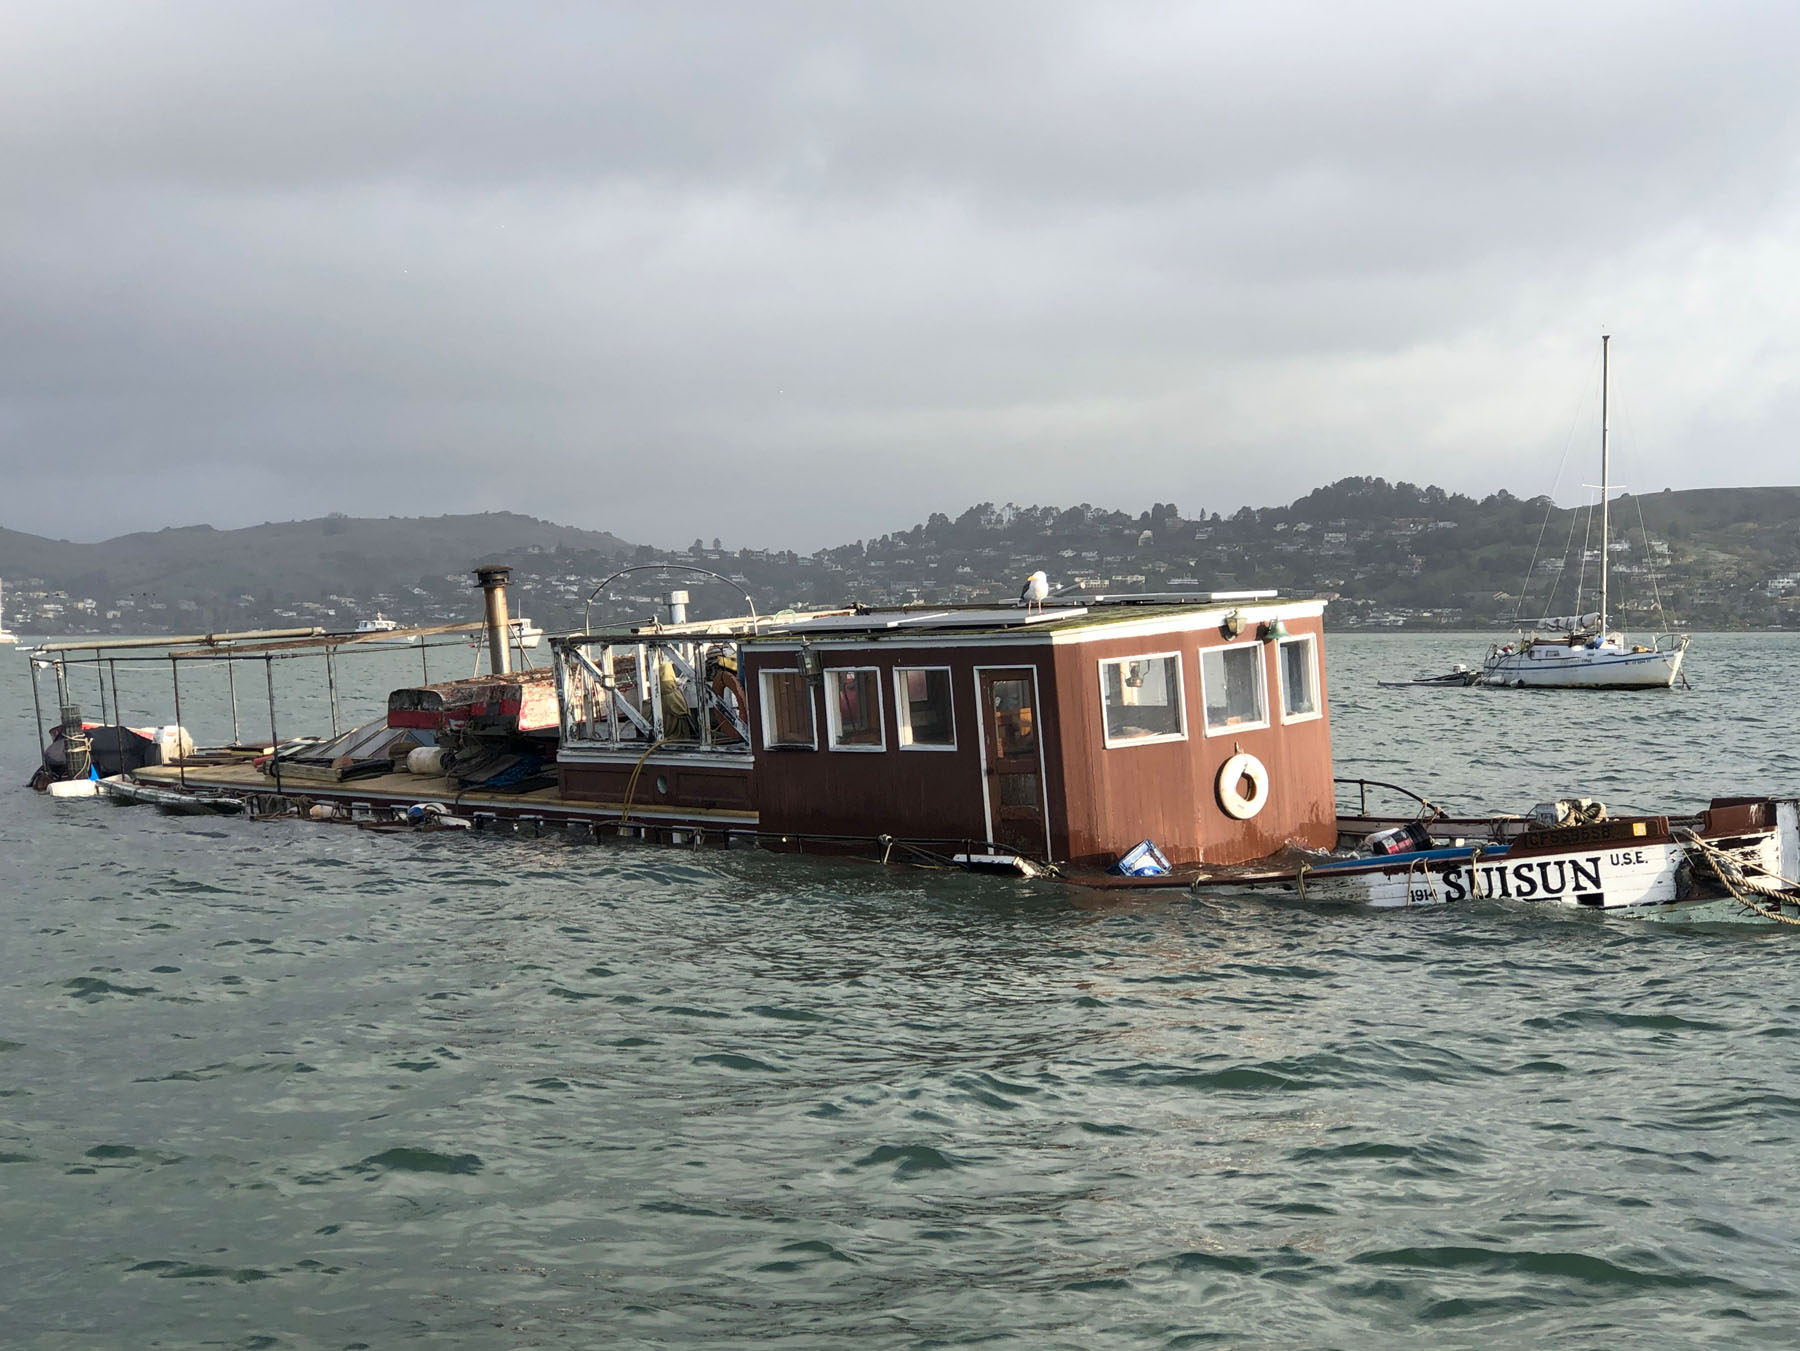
(428, 760)
(1243, 786)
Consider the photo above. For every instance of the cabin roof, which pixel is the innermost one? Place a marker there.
(1065, 620)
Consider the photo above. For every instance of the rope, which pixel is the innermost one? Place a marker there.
(1568, 441)
(1730, 871)
(1587, 533)
(632, 782)
(1418, 865)
(1662, 620)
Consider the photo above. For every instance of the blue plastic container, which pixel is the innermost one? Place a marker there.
(1143, 859)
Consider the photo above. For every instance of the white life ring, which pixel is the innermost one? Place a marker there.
(1240, 769)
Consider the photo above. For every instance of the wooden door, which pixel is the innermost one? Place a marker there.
(1012, 761)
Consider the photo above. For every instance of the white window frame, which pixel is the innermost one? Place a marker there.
(1262, 675)
(768, 711)
(1312, 663)
(832, 730)
(1159, 738)
(903, 708)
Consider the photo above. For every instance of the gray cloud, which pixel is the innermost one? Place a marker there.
(799, 273)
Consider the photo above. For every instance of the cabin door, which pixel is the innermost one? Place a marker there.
(1012, 759)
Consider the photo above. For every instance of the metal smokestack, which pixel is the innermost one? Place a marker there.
(678, 603)
(493, 581)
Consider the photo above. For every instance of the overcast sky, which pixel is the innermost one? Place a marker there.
(793, 274)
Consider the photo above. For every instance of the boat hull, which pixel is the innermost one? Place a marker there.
(1585, 669)
(1603, 878)
(1651, 877)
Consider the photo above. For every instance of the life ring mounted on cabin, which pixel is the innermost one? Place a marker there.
(1243, 786)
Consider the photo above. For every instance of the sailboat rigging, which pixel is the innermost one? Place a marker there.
(1580, 652)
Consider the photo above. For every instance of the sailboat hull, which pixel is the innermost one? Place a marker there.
(1579, 668)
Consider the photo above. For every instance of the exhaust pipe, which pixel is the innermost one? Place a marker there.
(493, 581)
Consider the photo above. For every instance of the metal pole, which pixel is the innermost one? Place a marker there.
(101, 676)
(231, 680)
(274, 736)
(118, 715)
(1605, 507)
(37, 709)
(331, 688)
(424, 661)
(181, 758)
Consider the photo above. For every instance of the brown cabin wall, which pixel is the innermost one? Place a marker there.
(661, 782)
(1167, 791)
(914, 794)
(1099, 801)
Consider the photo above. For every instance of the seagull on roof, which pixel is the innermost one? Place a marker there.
(1037, 586)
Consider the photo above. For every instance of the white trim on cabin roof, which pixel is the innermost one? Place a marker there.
(1088, 630)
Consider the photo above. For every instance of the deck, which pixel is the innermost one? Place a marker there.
(383, 796)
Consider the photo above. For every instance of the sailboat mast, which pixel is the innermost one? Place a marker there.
(1605, 449)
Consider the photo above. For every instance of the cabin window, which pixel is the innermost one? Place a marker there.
(853, 709)
(787, 712)
(1299, 679)
(1231, 683)
(922, 703)
(1141, 699)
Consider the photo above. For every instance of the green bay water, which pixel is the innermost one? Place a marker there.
(282, 1084)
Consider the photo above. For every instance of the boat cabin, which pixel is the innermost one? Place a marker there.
(1066, 733)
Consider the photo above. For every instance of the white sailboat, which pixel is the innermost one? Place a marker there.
(6, 637)
(1578, 652)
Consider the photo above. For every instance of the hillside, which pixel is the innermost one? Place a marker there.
(196, 575)
(1390, 555)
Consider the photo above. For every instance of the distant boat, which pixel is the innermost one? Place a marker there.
(524, 634)
(382, 624)
(1578, 653)
(6, 636)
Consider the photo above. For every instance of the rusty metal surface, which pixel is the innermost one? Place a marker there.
(525, 701)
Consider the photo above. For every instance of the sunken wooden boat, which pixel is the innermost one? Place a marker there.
(1073, 737)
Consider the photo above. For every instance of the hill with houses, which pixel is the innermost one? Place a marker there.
(1390, 555)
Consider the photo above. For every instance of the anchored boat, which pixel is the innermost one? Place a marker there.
(1579, 651)
(7, 638)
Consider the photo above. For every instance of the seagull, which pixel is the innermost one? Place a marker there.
(1037, 586)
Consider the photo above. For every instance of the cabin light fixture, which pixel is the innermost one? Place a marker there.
(812, 666)
(1275, 632)
(1233, 624)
